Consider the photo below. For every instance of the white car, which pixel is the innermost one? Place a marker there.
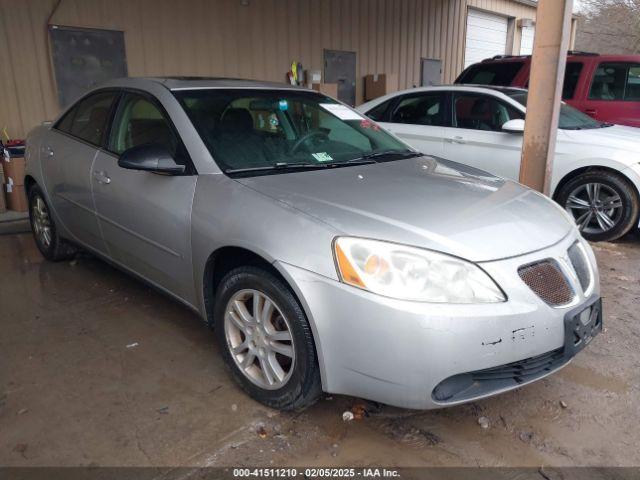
(596, 169)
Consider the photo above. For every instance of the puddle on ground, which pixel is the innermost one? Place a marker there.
(589, 378)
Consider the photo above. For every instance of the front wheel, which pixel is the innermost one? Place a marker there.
(266, 339)
(604, 205)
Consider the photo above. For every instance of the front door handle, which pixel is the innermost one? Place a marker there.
(591, 111)
(47, 151)
(102, 178)
(457, 139)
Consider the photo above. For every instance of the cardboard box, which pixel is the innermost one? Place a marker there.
(379, 84)
(329, 89)
(313, 76)
(14, 168)
(16, 198)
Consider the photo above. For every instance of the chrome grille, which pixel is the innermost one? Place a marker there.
(580, 265)
(548, 282)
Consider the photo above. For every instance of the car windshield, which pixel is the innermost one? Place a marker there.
(570, 118)
(256, 132)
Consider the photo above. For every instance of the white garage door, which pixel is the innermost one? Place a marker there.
(486, 36)
(526, 43)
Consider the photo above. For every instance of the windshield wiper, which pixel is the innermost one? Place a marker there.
(277, 166)
(300, 166)
(396, 154)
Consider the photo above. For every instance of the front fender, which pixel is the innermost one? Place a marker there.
(228, 214)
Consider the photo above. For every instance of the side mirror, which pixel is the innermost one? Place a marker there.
(151, 157)
(513, 126)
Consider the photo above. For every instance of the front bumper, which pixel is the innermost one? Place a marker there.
(397, 352)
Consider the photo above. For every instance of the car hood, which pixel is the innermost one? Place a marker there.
(424, 202)
(616, 136)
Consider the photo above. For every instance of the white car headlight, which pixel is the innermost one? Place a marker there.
(409, 273)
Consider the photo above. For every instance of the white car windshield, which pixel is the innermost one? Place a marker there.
(570, 118)
(275, 131)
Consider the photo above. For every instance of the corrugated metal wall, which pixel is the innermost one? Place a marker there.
(226, 38)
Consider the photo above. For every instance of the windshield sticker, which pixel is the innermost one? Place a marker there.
(366, 123)
(322, 156)
(341, 111)
(283, 105)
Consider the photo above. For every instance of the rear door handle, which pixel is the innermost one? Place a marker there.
(457, 139)
(591, 111)
(102, 178)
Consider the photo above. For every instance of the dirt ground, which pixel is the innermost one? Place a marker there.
(98, 369)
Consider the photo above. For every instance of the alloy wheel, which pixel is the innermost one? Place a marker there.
(596, 207)
(259, 338)
(41, 222)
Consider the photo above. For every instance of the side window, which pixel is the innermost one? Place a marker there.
(378, 113)
(633, 84)
(140, 122)
(571, 77)
(64, 125)
(425, 109)
(609, 81)
(88, 119)
(482, 112)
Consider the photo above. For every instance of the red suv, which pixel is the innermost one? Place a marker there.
(606, 87)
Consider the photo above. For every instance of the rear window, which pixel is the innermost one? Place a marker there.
(498, 73)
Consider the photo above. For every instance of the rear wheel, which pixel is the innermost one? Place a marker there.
(44, 229)
(604, 205)
(266, 339)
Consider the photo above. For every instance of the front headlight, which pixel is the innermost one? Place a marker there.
(409, 273)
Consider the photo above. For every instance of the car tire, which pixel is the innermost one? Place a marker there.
(45, 233)
(296, 385)
(610, 186)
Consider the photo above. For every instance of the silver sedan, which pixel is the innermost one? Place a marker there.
(326, 254)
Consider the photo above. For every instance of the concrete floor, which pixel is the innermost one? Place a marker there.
(98, 369)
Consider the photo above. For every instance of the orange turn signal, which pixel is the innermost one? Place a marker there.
(347, 272)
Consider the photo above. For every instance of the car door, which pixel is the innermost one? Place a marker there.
(614, 94)
(67, 155)
(146, 217)
(475, 136)
(419, 119)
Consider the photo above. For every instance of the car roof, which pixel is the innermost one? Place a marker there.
(457, 86)
(505, 92)
(571, 55)
(187, 83)
(497, 88)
